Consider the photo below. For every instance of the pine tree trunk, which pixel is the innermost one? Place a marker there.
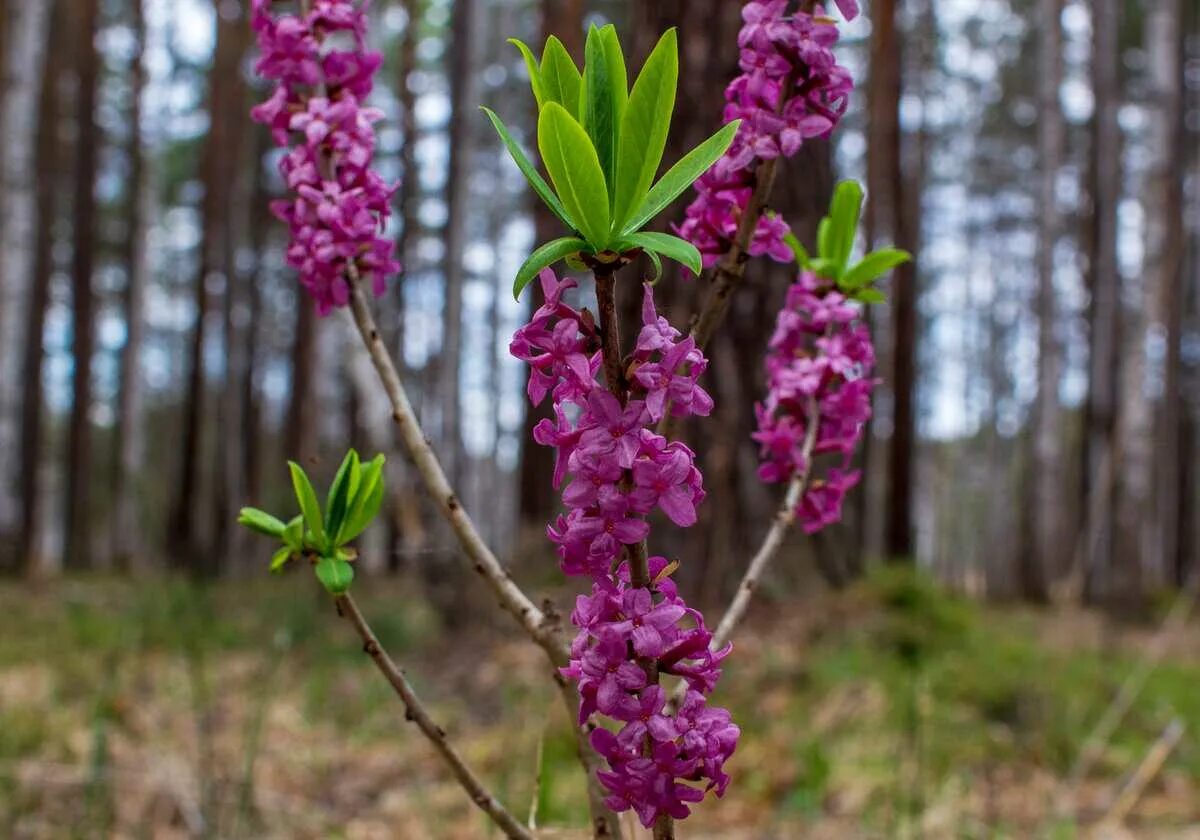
(139, 198)
(48, 160)
(78, 553)
(1165, 245)
(1045, 473)
(302, 428)
(888, 221)
(229, 492)
(224, 100)
(464, 24)
(1100, 411)
(1137, 567)
(26, 33)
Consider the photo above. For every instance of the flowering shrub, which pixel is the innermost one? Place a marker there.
(791, 89)
(601, 143)
(619, 471)
(339, 204)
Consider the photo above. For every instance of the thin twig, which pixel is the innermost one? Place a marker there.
(1151, 764)
(485, 563)
(415, 711)
(1094, 746)
(543, 629)
(785, 517)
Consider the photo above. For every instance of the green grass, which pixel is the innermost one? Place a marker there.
(869, 708)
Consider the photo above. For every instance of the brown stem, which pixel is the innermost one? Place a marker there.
(610, 332)
(416, 712)
(540, 627)
(664, 828)
(614, 375)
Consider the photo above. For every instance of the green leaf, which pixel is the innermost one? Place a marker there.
(335, 575)
(870, 296)
(535, 74)
(262, 522)
(544, 257)
(873, 266)
(341, 493)
(561, 80)
(844, 212)
(802, 258)
(364, 515)
(605, 92)
(671, 247)
(823, 268)
(530, 171)
(656, 260)
(575, 170)
(310, 508)
(682, 175)
(366, 502)
(280, 558)
(293, 535)
(825, 241)
(645, 126)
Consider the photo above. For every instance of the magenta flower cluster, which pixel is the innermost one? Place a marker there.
(820, 357)
(339, 204)
(617, 471)
(791, 89)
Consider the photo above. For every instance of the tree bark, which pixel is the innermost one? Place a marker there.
(1137, 569)
(301, 431)
(126, 528)
(48, 160)
(1104, 282)
(1045, 464)
(223, 100)
(78, 535)
(887, 219)
(406, 531)
(464, 24)
(1164, 208)
(26, 30)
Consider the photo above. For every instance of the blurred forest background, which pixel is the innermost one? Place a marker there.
(1036, 437)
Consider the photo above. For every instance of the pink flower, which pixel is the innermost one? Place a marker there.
(820, 352)
(339, 207)
(779, 51)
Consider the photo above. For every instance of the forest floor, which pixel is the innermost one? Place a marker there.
(248, 710)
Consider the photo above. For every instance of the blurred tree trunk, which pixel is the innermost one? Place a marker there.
(261, 221)
(301, 442)
(1189, 550)
(229, 490)
(407, 532)
(887, 220)
(538, 499)
(26, 28)
(462, 71)
(1044, 487)
(1104, 310)
(48, 160)
(1135, 571)
(1165, 245)
(78, 554)
(224, 99)
(126, 527)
